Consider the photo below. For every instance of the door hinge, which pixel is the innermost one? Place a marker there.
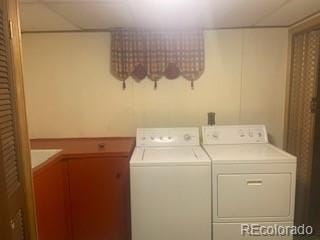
(12, 225)
(10, 29)
(314, 105)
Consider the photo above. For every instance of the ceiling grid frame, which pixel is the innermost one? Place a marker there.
(132, 20)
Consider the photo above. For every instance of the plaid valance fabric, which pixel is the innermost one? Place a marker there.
(157, 54)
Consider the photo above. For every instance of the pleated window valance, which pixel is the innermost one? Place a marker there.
(157, 54)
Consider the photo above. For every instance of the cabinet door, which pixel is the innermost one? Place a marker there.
(99, 195)
(52, 205)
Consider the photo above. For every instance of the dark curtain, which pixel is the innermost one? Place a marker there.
(156, 54)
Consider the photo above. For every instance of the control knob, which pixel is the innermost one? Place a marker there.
(215, 135)
(187, 137)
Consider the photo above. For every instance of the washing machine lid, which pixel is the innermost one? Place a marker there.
(169, 156)
(248, 153)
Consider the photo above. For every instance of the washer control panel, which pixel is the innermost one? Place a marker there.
(167, 137)
(234, 134)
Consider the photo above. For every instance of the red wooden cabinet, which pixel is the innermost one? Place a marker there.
(99, 198)
(52, 204)
(84, 194)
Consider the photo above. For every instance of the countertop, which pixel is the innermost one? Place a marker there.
(83, 148)
(39, 156)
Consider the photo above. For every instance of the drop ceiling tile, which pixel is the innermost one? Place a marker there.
(206, 13)
(292, 12)
(95, 15)
(239, 13)
(37, 17)
(170, 14)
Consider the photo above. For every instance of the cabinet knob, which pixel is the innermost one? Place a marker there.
(101, 145)
(118, 175)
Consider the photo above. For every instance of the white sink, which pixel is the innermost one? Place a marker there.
(39, 156)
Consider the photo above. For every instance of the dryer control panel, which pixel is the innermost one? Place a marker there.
(234, 134)
(162, 137)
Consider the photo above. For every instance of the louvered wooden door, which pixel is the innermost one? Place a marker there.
(12, 195)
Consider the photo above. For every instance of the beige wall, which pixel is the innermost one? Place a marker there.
(70, 92)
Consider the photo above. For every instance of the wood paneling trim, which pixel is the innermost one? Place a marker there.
(287, 94)
(111, 29)
(308, 24)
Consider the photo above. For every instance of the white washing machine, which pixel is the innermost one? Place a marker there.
(253, 182)
(170, 186)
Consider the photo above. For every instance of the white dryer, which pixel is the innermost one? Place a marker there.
(170, 186)
(252, 181)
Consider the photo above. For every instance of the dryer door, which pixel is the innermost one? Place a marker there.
(253, 192)
(254, 195)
